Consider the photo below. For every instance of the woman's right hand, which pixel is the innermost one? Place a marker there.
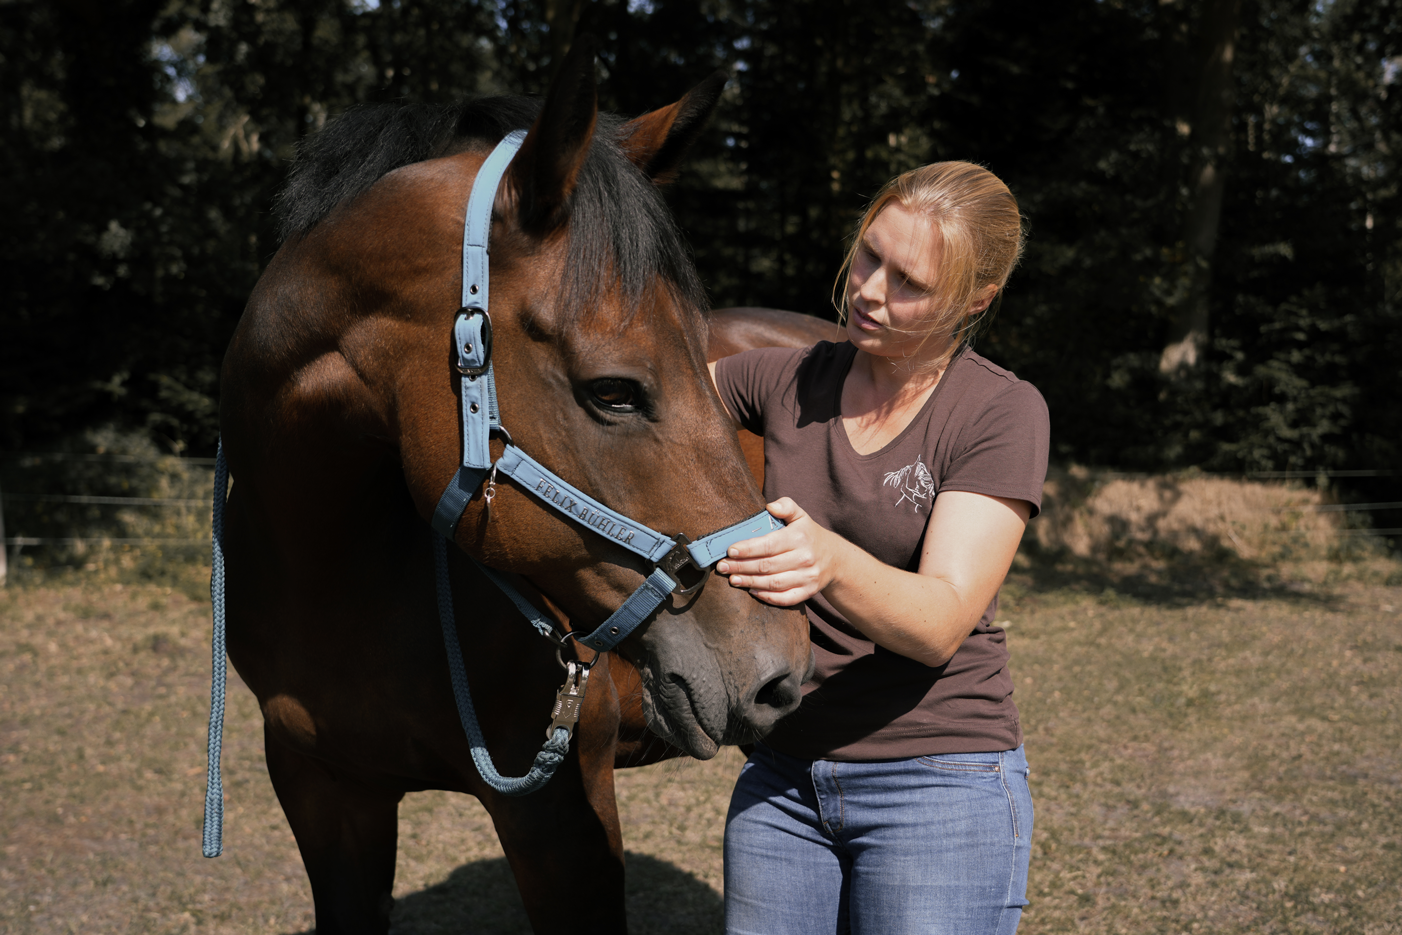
(969, 544)
(788, 566)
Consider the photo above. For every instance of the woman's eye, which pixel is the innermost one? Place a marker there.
(615, 394)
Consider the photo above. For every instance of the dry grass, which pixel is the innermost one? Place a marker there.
(1230, 766)
(1101, 515)
(1179, 539)
(1214, 737)
(103, 699)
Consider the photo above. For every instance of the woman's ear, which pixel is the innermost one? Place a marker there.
(984, 299)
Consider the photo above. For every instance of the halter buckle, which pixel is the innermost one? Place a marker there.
(475, 370)
(678, 560)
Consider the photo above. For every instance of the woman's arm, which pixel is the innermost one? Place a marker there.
(970, 541)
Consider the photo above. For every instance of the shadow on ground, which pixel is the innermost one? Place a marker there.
(480, 898)
(1162, 580)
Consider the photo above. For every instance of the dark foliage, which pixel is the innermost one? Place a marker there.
(145, 142)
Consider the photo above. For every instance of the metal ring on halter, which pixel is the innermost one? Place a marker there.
(679, 558)
(501, 430)
(559, 657)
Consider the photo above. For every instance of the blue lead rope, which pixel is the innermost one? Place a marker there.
(214, 786)
(553, 753)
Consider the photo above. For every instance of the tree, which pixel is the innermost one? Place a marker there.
(1210, 136)
(1168, 185)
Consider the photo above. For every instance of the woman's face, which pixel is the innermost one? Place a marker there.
(895, 269)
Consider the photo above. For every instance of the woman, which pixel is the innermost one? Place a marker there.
(906, 468)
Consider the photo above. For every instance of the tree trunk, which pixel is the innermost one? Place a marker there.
(1210, 139)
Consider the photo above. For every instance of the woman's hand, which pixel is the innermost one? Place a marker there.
(970, 541)
(787, 566)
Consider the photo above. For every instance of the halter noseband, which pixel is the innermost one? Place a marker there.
(472, 340)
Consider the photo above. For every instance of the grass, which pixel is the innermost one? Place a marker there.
(1231, 766)
(1215, 744)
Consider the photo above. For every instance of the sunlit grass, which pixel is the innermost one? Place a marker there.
(1227, 766)
(1214, 740)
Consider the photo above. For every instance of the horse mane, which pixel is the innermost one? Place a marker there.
(619, 223)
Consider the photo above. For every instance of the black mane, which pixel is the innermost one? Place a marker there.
(618, 220)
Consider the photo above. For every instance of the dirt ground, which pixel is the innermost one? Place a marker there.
(1204, 760)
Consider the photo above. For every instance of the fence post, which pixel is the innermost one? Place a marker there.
(4, 546)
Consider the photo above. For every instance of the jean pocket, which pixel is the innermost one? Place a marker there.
(988, 764)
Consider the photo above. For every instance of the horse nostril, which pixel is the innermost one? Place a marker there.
(775, 693)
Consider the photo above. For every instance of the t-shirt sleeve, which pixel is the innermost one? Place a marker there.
(749, 382)
(1003, 452)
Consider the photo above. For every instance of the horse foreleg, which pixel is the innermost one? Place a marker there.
(347, 833)
(564, 843)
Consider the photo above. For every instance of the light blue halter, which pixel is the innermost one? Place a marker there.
(472, 334)
(669, 556)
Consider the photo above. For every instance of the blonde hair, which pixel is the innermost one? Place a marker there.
(980, 232)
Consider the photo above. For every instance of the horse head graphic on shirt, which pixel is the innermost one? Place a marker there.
(915, 483)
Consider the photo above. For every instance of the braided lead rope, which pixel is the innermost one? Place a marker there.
(550, 755)
(214, 786)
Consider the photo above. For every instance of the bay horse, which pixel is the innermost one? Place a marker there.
(339, 418)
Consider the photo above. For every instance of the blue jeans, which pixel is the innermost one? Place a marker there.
(935, 844)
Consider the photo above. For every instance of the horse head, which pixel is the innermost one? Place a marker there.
(599, 352)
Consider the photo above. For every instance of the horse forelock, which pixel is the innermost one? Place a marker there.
(621, 243)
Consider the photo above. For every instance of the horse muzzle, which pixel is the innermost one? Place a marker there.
(704, 689)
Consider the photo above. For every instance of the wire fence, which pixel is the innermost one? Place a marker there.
(180, 468)
(109, 501)
(82, 507)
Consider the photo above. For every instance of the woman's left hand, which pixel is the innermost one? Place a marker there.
(787, 566)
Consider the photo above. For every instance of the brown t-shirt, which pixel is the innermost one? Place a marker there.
(982, 430)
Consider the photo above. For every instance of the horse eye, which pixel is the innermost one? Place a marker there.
(614, 394)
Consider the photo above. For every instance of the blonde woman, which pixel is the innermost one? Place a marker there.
(906, 466)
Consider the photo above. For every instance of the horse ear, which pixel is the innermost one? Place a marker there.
(656, 142)
(544, 173)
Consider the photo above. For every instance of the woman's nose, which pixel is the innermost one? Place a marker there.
(872, 290)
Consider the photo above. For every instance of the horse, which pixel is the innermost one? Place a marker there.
(339, 414)
(748, 328)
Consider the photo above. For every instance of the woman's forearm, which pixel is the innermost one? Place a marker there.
(970, 541)
(921, 616)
